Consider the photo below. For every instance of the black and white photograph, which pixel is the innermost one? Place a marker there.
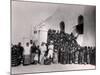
(52, 37)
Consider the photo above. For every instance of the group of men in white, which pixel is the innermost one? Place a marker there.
(38, 53)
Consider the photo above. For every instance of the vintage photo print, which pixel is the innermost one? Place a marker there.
(52, 37)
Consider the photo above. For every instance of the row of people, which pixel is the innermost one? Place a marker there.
(60, 48)
(47, 54)
(69, 49)
(30, 53)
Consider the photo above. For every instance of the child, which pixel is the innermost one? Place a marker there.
(36, 57)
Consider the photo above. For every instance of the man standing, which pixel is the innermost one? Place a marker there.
(88, 55)
(33, 51)
(39, 52)
(85, 55)
(55, 60)
(26, 54)
(21, 49)
(50, 52)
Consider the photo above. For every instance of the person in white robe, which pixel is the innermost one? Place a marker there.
(51, 50)
(26, 54)
(43, 49)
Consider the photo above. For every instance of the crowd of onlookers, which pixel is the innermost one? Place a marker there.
(60, 48)
(69, 51)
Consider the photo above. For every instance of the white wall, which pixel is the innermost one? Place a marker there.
(25, 15)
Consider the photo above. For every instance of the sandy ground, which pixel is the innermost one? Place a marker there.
(49, 68)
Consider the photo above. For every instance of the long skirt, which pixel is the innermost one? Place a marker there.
(26, 60)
